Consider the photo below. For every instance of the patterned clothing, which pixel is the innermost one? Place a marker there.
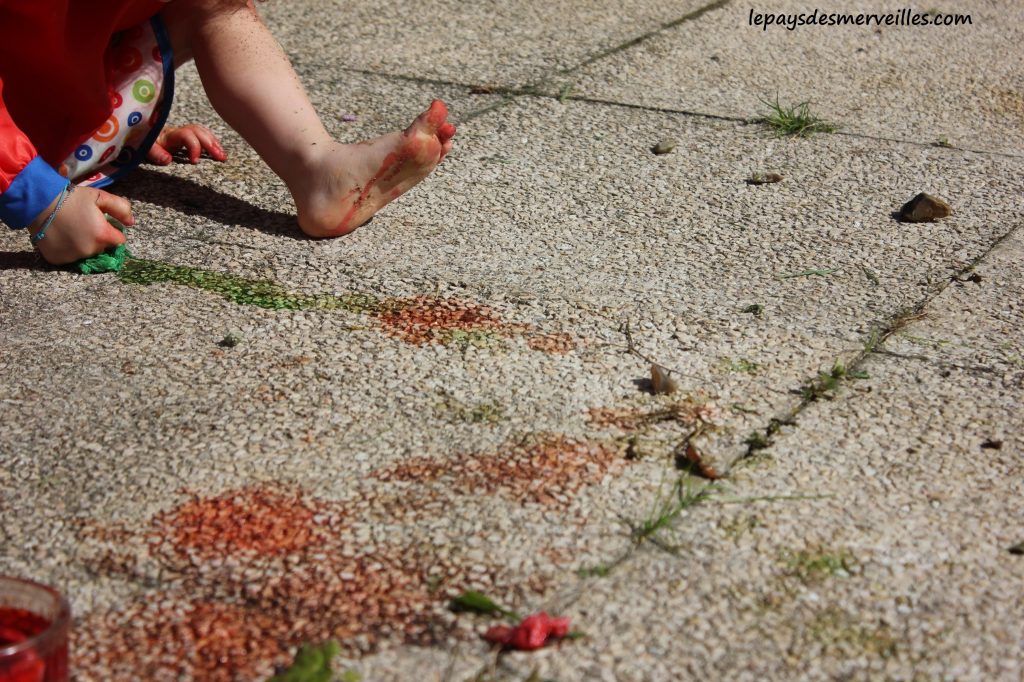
(74, 83)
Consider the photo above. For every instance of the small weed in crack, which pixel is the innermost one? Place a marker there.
(664, 512)
(826, 383)
(796, 120)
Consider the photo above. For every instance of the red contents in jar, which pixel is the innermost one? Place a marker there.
(17, 625)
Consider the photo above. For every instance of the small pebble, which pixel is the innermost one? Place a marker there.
(664, 147)
(764, 178)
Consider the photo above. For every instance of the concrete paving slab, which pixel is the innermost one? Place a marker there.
(501, 44)
(954, 83)
(251, 440)
(514, 215)
(890, 559)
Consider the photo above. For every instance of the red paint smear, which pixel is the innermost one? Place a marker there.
(418, 320)
(395, 161)
(238, 598)
(389, 161)
(551, 343)
(548, 471)
(258, 520)
(211, 642)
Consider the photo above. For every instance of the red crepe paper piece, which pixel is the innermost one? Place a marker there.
(532, 633)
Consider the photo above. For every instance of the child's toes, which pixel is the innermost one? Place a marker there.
(431, 119)
(446, 132)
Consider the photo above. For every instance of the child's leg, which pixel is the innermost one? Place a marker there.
(252, 85)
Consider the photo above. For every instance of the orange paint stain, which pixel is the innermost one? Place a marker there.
(551, 343)
(547, 471)
(424, 319)
(214, 642)
(245, 577)
(258, 520)
(685, 411)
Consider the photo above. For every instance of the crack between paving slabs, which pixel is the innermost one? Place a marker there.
(871, 345)
(533, 89)
(509, 94)
(563, 600)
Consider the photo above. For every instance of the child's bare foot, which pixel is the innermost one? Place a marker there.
(354, 181)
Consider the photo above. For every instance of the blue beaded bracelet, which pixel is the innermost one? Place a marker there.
(64, 194)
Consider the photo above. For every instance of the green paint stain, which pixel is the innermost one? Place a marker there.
(241, 290)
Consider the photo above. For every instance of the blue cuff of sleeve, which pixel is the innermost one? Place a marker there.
(31, 193)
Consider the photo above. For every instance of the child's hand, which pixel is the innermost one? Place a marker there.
(193, 137)
(80, 229)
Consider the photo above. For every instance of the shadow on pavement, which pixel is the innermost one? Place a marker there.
(22, 260)
(191, 198)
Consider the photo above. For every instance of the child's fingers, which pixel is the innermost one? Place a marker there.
(111, 236)
(191, 142)
(119, 207)
(159, 155)
(210, 143)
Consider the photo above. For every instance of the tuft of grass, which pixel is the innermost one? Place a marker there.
(825, 385)
(313, 664)
(812, 566)
(796, 120)
(598, 571)
(742, 365)
(566, 91)
(665, 510)
(756, 441)
(871, 343)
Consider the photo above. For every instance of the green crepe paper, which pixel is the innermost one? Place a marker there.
(111, 260)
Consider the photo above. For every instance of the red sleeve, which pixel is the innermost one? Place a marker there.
(15, 148)
(28, 185)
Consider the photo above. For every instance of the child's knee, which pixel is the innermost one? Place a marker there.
(185, 18)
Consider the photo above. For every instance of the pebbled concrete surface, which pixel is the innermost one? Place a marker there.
(451, 402)
(883, 554)
(919, 84)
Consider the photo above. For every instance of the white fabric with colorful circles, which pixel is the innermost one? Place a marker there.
(135, 69)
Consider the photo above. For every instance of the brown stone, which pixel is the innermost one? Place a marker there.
(661, 382)
(924, 208)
